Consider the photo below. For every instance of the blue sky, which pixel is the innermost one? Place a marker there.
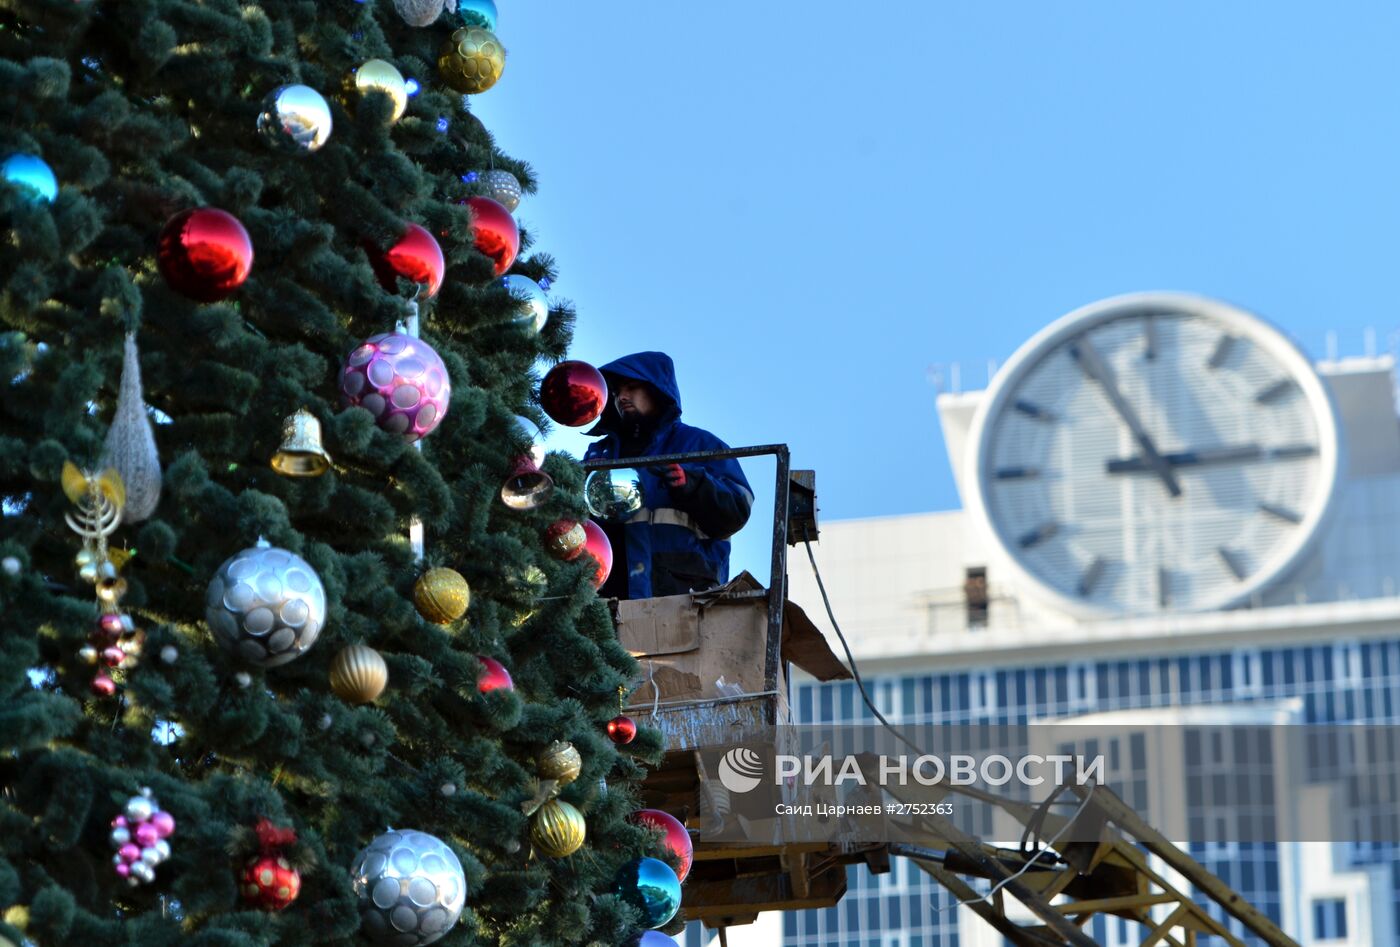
(808, 205)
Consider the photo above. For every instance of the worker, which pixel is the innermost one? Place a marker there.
(679, 541)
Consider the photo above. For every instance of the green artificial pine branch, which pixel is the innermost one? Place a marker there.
(147, 108)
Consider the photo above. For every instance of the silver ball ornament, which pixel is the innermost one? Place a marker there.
(139, 808)
(10, 564)
(502, 187)
(411, 889)
(169, 654)
(119, 837)
(141, 873)
(421, 12)
(532, 305)
(151, 856)
(448, 789)
(243, 679)
(266, 605)
(614, 495)
(162, 848)
(295, 120)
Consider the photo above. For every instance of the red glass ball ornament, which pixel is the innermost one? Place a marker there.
(494, 232)
(205, 254)
(416, 257)
(573, 393)
(270, 882)
(674, 838)
(599, 547)
(494, 676)
(565, 539)
(103, 685)
(622, 729)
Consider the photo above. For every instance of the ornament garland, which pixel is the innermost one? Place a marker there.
(100, 499)
(139, 835)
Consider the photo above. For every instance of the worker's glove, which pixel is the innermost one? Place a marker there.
(676, 479)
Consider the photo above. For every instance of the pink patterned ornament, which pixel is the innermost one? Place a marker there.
(401, 381)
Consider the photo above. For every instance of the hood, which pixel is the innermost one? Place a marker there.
(654, 368)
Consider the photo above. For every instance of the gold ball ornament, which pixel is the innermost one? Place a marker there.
(441, 595)
(558, 829)
(560, 762)
(471, 60)
(359, 674)
(376, 75)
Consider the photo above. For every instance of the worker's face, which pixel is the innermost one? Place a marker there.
(633, 399)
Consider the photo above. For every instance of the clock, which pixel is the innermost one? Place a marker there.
(1156, 452)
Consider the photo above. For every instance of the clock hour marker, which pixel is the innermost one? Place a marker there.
(1149, 338)
(1275, 391)
(1282, 512)
(1038, 535)
(1222, 351)
(1016, 473)
(1232, 562)
(1032, 410)
(1091, 577)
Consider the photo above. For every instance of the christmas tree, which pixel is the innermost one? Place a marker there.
(222, 213)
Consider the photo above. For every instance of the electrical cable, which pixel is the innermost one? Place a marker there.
(986, 797)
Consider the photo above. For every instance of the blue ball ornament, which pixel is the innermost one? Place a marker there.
(32, 175)
(650, 886)
(480, 13)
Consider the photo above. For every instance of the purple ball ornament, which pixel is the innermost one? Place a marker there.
(146, 835)
(164, 823)
(401, 381)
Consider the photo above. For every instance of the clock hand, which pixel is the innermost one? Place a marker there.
(1214, 455)
(1083, 352)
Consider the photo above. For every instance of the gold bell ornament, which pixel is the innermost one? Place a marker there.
(301, 453)
(441, 595)
(358, 674)
(558, 829)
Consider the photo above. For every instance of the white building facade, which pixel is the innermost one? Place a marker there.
(1168, 511)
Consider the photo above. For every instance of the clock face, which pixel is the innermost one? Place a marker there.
(1152, 453)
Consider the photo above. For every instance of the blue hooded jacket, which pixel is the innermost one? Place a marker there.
(679, 541)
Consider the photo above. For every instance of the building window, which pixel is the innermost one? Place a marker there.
(1346, 663)
(976, 597)
(1330, 919)
(1083, 685)
(895, 939)
(981, 693)
(1247, 667)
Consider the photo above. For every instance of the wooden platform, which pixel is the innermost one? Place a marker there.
(730, 883)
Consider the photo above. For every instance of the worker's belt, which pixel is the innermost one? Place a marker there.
(669, 516)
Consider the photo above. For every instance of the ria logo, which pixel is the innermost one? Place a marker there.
(740, 769)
